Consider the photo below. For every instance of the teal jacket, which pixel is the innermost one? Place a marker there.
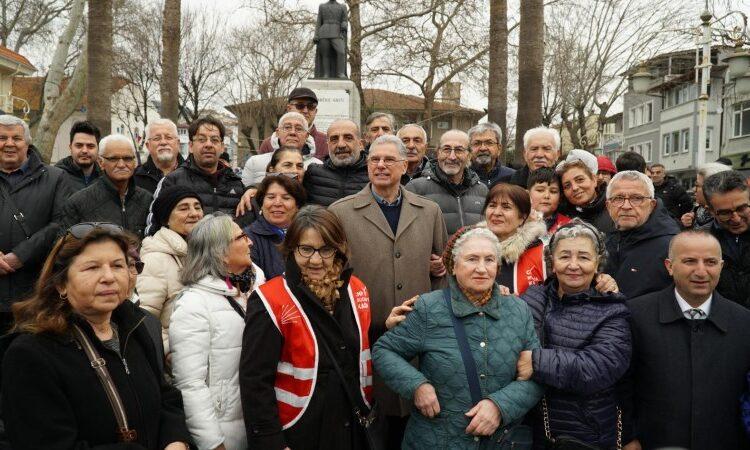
(497, 333)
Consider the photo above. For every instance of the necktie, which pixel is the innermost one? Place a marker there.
(696, 313)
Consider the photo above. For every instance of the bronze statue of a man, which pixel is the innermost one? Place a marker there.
(330, 36)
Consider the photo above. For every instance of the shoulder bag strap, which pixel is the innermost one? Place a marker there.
(463, 347)
(236, 306)
(17, 214)
(124, 432)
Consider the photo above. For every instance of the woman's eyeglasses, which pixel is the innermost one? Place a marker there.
(307, 251)
(80, 230)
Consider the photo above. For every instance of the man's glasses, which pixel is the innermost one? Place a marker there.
(305, 106)
(160, 138)
(290, 128)
(116, 159)
(725, 214)
(307, 251)
(387, 161)
(446, 151)
(80, 230)
(480, 144)
(203, 139)
(635, 200)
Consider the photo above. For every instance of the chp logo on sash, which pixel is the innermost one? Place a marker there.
(362, 298)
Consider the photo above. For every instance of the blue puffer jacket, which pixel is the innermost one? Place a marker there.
(585, 351)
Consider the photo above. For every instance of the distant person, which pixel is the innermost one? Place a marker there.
(378, 124)
(81, 167)
(630, 161)
(541, 148)
(414, 138)
(670, 191)
(700, 216)
(304, 101)
(163, 144)
(485, 141)
(606, 169)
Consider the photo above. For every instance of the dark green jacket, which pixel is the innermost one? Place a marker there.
(497, 333)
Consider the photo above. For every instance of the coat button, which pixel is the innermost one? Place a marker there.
(346, 424)
(476, 438)
(397, 255)
(399, 286)
(482, 376)
(481, 314)
(482, 344)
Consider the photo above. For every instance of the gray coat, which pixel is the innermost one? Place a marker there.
(461, 204)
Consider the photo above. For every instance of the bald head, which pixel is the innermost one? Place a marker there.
(690, 235)
(455, 135)
(695, 265)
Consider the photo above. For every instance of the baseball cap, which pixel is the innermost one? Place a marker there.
(302, 92)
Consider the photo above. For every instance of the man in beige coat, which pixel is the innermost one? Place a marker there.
(395, 237)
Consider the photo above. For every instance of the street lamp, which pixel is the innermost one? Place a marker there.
(641, 80)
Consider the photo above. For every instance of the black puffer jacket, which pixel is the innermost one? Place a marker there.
(147, 176)
(586, 350)
(675, 198)
(74, 174)
(636, 257)
(326, 183)
(101, 202)
(461, 204)
(221, 191)
(734, 281)
(54, 400)
(594, 213)
(520, 177)
(40, 196)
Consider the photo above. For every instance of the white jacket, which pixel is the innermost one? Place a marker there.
(162, 255)
(255, 167)
(206, 337)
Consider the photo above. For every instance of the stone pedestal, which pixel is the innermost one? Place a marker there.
(337, 99)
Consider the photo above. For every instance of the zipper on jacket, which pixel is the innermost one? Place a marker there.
(130, 381)
(460, 210)
(124, 216)
(215, 205)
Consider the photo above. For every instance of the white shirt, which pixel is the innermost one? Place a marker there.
(685, 307)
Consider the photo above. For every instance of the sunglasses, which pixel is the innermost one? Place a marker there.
(80, 230)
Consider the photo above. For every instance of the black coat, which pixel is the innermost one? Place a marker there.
(734, 282)
(147, 176)
(40, 196)
(520, 177)
(498, 174)
(326, 183)
(595, 213)
(74, 174)
(688, 377)
(101, 202)
(328, 422)
(264, 251)
(636, 257)
(221, 191)
(586, 350)
(52, 398)
(675, 198)
(406, 178)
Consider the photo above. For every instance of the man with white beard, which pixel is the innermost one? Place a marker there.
(163, 146)
(451, 184)
(485, 141)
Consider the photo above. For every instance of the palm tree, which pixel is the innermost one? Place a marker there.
(170, 60)
(497, 99)
(99, 51)
(530, 70)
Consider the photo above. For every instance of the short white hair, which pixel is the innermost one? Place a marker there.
(712, 168)
(296, 116)
(551, 132)
(477, 232)
(160, 122)
(119, 138)
(6, 120)
(413, 125)
(390, 139)
(631, 175)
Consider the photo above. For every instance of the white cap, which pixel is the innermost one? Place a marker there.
(580, 155)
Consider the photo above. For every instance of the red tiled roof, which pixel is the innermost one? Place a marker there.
(7, 53)
(31, 89)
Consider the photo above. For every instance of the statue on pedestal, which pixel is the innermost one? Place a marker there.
(330, 37)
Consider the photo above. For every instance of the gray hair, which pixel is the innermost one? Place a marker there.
(712, 168)
(390, 139)
(377, 115)
(294, 115)
(112, 138)
(413, 125)
(476, 232)
(484, 127)
(6, 120)
(208, 244)
(573, 229)
(723, 182)
(631, 175)
(551, 132)
(159, 122)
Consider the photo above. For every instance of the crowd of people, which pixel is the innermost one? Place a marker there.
(354, 290)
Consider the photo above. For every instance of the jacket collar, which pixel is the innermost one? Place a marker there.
(222, 171)
(462, 307)
(110, 187)
(433, 171)
(410, 209)
(262, 227)
(216, 286)
(669, 310)
(149, 167)
(527, 235)
(68, 165)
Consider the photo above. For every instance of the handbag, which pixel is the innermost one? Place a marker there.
(563, 442)
(373, 424)
(515, 436)
(124, 432)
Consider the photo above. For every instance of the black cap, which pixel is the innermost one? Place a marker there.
(168, 198)
(302, 92)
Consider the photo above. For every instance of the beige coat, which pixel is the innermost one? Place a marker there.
(163, 255)
(394, 268)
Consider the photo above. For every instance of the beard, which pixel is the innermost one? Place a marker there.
(164, 157)
(85, 164)
(483, 159)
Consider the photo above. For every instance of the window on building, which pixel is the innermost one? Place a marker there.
(666, 144)
(643, 149)
(685, 140)
(671, 143)
(741, 119)
(679, 95)
(641, 114)
(709, 133)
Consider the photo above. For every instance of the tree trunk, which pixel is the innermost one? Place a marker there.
(170, 60)
(99, 87)
(530, 70)
(355, 51)
(429, 106)
(497, 101)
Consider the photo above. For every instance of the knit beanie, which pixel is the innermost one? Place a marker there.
(168, 198)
